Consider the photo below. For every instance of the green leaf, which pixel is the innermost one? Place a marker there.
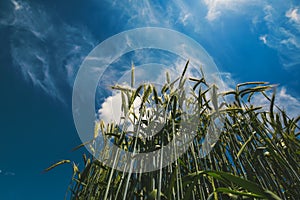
(236, 192)
(245, 184)
(244, 145)
(183, 73)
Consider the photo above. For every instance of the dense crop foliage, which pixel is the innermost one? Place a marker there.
(256, 156)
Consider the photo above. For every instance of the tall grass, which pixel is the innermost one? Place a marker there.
(256, 156)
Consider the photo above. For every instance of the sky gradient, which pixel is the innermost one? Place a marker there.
(44, 42)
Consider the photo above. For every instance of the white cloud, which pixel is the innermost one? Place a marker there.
(263, 38)
(110, 110)
(293, 14)
(16, 4)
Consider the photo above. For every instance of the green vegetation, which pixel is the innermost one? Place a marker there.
(257, 155)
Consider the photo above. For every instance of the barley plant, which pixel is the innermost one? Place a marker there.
(256, 156)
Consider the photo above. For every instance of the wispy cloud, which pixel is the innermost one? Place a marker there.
(269, 12)
(283, 32)
(16, 4)
(168, 14)
(47, 51)
(215, 8)
(139, 12)
(294, 15)
(7, 173)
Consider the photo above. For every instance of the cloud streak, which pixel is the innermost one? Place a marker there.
(169, 14)
(47, 51)
(283, 33)
(217, 8)
(7, 173)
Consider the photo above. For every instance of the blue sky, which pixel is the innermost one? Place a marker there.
(44, 42)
